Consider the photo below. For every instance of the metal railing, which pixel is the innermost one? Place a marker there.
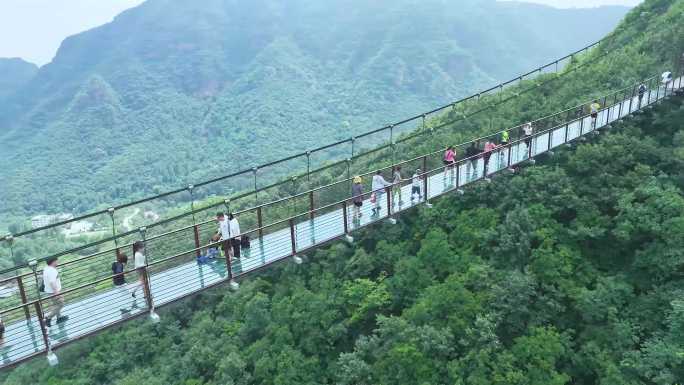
(171, 272)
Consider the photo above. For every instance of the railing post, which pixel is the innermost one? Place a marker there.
(567, 125)
(197, 240)
(308, 167)
(425, 177)
(111, 216)
(20, 284)
(388, 193)
(344, 217)
(147, 286)
(292, 237)
(22, 294)
(311, 204)
(548, 148)
(194, 221)
(260, 222)
(39, 306)
(43, 328)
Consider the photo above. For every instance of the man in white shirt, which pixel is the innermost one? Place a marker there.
(378, 186)
(223, 234)
(53, 288)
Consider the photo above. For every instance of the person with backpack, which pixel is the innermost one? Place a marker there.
(416, 185)
(378, 186)
(642, 91)
(52, 286)
(594, 108)
(449, 161)
(118, 277)
(471, 153)
(357, 198)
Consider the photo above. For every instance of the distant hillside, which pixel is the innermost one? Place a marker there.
(177, 91)
(14, 73)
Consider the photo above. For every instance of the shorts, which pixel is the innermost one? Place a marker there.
(415, 190)
(594, 115)
(448, 163)
(358, 204)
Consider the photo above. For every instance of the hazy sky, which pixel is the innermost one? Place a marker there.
(33, 29)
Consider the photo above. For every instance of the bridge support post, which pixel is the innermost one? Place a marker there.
(388, 193)
(22, 294)
(298, 260)
(260, 222)
(145, 274)
(39, 308)
(345, 221)
(20, 284)
(311, 205)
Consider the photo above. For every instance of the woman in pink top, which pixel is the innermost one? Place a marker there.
(449, 161)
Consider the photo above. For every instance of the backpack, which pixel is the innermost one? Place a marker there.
(245, 242)
(117, 271)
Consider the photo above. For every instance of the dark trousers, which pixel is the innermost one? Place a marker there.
(236, 247)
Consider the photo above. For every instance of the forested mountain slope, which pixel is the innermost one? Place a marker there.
(175, 91)
(14, 73)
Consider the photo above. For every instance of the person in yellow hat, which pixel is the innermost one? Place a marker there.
(357, 197)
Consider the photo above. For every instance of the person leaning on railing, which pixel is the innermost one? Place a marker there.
(52, 285)
(378, 186)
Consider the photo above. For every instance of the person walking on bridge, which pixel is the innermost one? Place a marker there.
(223, 235)
(449, 162)
(235, 235)
(528, 130)
(642, 91)
(357, 199)
(666, 78)
(471, 155)
(118, 277)
(416, 185)
(378, 186)
(594, 108)
(53, 288)
(489, 147)
(396, 187)
(140, 265)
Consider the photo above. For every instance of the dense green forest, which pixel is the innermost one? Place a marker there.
(173, 92)
(568, 272)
